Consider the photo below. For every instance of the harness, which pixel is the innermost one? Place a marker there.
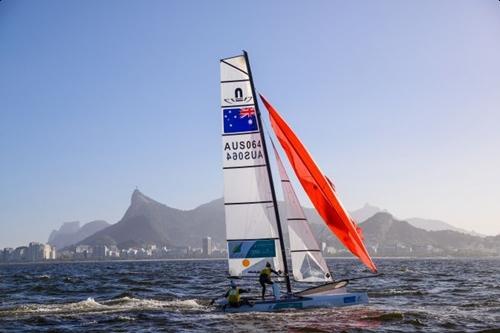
(266, 272)
(234, 296)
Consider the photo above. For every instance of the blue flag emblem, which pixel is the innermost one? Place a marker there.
(240, 120)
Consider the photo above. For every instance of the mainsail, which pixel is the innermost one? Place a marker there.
(319, 188)
(251, 217)
(308, 264)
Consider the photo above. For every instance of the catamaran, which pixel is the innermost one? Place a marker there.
(253, 224)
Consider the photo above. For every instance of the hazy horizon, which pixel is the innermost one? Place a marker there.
(397, 101)
(81, 223)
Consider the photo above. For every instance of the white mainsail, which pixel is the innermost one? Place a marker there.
(308, 264)
(251, 230)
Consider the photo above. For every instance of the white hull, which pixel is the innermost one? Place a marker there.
(315, 301)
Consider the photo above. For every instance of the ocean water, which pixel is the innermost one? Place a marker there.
(413, 295)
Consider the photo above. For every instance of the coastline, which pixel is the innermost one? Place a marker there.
(49, 262)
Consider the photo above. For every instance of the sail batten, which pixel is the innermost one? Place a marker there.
(319, 188)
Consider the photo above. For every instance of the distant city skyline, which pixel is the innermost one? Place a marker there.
(397, 101)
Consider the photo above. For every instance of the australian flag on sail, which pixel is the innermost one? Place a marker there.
(240, 120)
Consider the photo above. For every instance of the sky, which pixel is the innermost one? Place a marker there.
(398, 102)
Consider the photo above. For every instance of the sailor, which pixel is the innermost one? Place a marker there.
(265, 277)
(233, 295)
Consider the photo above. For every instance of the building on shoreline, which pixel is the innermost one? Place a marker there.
(34, 252)
(37, 252)
(207, 246)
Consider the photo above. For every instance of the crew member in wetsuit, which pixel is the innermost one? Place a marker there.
(233, 295)
(265, 277)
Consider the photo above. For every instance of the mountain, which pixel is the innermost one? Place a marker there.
(437, 225)
(71, 232)
(365, 212)
(385, 235)
(359, 215)
(147, 221)
(143, 223)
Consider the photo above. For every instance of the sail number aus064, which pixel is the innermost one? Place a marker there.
(243, 150)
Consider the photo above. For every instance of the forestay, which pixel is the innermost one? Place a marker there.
(308, 264)
(252, 237)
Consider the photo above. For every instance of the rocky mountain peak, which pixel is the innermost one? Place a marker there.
(141, 204)
(148, 221)
(71, 232)
(362, 214)
(139, 198)
(383, 217)
(70, 227)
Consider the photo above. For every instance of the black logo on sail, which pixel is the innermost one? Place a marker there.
(238, 97)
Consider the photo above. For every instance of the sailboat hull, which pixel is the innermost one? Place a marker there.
(315, 301)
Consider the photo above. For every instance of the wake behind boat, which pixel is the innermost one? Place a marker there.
(253, 224)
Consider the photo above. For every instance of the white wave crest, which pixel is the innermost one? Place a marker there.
(92, 306)
(129, 302)
(82, 306)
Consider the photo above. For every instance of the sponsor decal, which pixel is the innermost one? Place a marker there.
(241, 150)
(240, 120)
(262, 248)
(288, 305)
(238, 97)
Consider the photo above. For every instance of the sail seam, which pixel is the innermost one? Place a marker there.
(247, 202)
(240, 133)
(239, 69)
(245, 166)
(236, 106)
(231, 81)
(233, 57)
(312, 250)
(249, 239)
(296, 219)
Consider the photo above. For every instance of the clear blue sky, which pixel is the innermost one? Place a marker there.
(398, 101)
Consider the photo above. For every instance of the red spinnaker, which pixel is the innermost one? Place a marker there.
(319, 188)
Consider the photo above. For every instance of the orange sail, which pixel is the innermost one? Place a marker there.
(319, 188)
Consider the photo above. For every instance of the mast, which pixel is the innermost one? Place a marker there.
(273, 192)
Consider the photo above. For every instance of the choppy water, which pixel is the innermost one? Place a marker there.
(173, 296)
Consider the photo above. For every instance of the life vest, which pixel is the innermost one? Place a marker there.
(234, 296)
(266, 272)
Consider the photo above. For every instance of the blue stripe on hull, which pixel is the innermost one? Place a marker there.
(321, 301)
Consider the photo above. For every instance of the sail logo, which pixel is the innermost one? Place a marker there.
(262, 248)
(238, 97)
(240, 120)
